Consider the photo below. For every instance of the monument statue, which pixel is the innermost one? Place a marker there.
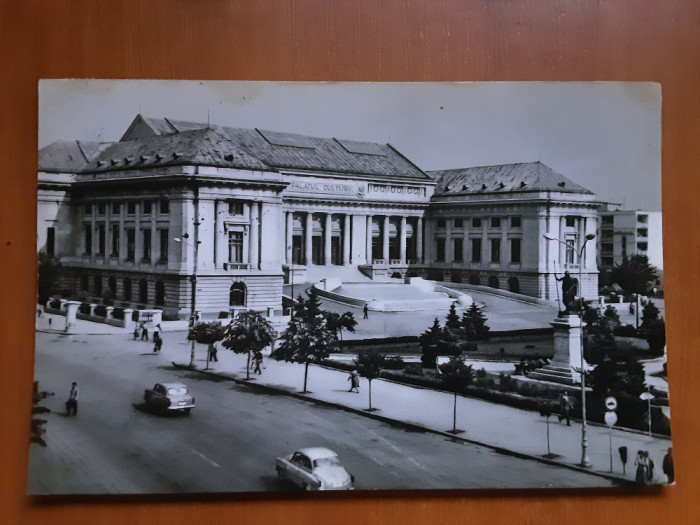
(569, 289)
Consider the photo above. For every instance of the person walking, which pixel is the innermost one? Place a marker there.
(258, 359)
(643, 473)
(144, 332)
(354, 379)
(667, 466)
(212, 352)
(72, 402)
(365, 311)
(137, 332)
(565, 409)
(158, 344)
(156, 332)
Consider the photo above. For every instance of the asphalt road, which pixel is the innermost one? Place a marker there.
(229, 441)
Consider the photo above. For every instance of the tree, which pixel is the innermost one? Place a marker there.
(474, 324)
(249, 332)
(452, 320)
(307, 338)
(205, 334)
(635, 274)
(369, 364)
(650, 314)
(456, 375)
(340, 322)
(49, 273)
(430, 341)
(656, 337)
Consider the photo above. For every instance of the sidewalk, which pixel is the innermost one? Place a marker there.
(506, 429)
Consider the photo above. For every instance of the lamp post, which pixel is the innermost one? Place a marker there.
(193, 313)
(585, 461)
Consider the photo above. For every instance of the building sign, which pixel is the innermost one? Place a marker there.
(322, 187)
(359, 190)
(391, 189)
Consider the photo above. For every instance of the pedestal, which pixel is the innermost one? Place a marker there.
(567, 352)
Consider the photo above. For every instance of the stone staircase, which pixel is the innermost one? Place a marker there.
(554, 373)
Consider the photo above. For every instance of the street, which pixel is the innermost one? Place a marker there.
(230, 440)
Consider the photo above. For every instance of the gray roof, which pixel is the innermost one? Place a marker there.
(69, 155)
(160, 142)
(504, 178)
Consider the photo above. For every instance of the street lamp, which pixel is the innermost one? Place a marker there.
(585, 461)
(193, 314)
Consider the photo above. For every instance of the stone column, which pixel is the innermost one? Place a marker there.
(308, 235)
(346, 240)
(419, 240)
(289, 237)
(368, 239)
(254, 235)
(402, 241)
(385, 240)
(327, 234)
(449, 246)
(562, 248)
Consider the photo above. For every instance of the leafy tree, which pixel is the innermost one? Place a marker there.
(656, 336)
(369, 364)
(340, 322)
(456, 375)
(474, 324)
(650, 314)
(635, 274)
(611, 316)
(430, 342)
(249, 332)
(307, 338)
(49, 273)
(205, 334)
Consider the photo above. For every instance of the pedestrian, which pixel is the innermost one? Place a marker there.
(258, 359)
(72, 403)
(642, 476)
(157, 345)
(156, 332)
(144, 332)
(137, 332)
(667, 466)
(212, 352)
(565, 408)
(354, 382)
(365, 310)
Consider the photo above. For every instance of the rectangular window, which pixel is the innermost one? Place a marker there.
(570, 221)
(495, 250)
(608, 219)
(235, 208)
(116, 208)
(459, 222)
(440, 249)
(515, 222)
(87, 209)
(476, 222)
(642, 246)
(147, 207)
(606, 248)
(495, 222)
(146, 245)
(164, 206)
(457, 246)
(606, 234)
(50, 241)
(115, 240)
(441, 223)
(642, 232)
(515, 251)
(163, 245)
(643, 219)
(131, 207)
(101, 207)
(476, 250)
(130, 244)
(101, 239)
(235, 247)
(88, 239)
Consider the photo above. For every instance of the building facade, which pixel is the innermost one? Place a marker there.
(179, 213)
(622, 233)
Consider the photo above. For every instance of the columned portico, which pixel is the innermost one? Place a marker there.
(385, 239)
(346, 240)
(419, 240)
(327, 234)
(254, 235)
(402, 243)
(308, 238)
(289, 237)
(368, 238)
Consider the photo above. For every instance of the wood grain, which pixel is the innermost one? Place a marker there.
(380, 40)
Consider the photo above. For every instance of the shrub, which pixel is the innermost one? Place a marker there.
(625, 330)
(506, 383)
(101, 310)
(413, 369)
(55, 304)
(394, 362)
(118, 313)
(84, 308)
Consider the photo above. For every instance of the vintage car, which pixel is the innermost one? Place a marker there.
(315, 468)
(168, 397)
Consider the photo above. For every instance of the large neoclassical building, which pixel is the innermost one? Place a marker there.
(245, 211)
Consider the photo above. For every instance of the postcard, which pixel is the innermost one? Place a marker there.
(250, 287)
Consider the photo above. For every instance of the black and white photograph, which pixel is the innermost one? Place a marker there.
(260, 287)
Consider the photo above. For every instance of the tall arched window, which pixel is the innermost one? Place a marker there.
(160, 293)
(514, 285)
(127, 289)
(143, 291)
(493, 282)
(474, 279)
(237, 294)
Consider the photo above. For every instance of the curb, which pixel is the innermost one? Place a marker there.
(410, 426)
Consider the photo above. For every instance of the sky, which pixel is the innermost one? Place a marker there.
(605, 136)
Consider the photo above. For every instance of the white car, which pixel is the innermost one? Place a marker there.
(169, 397)
(315, 468)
